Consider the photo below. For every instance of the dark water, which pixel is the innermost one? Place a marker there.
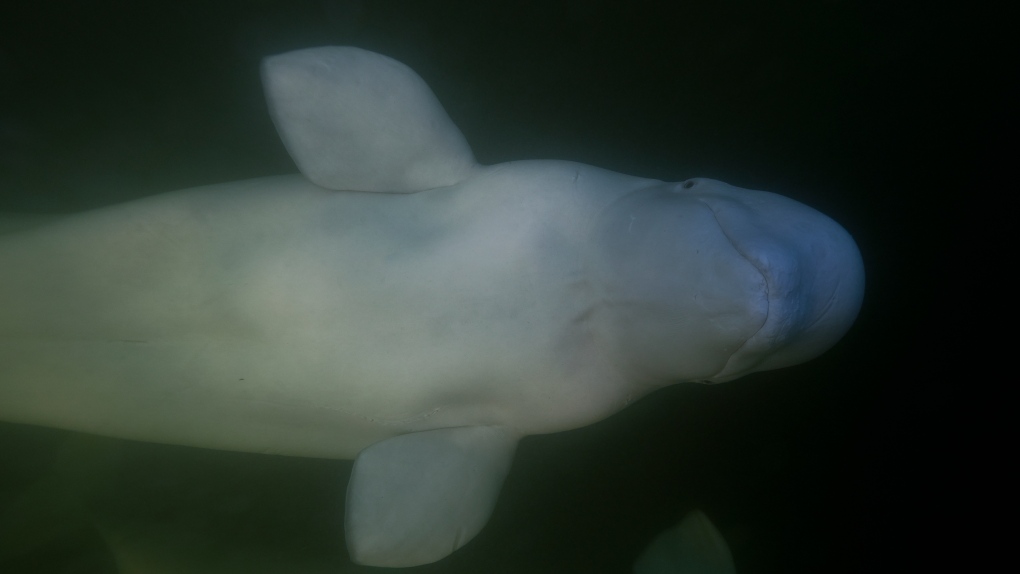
(872, 114)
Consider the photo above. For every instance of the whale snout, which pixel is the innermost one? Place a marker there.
(812, 268)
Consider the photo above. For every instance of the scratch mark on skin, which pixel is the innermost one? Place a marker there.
(384, 421)
(412, 419)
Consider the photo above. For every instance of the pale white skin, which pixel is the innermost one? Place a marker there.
(327, 319)
(271, 315)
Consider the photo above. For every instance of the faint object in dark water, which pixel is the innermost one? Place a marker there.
(693, 546)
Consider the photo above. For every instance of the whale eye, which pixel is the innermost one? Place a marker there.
(688, 184)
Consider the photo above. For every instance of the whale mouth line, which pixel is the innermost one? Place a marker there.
(727, 372)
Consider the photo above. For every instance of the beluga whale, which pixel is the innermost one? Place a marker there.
(399, 304)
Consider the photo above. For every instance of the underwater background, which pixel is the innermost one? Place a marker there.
(876, 114)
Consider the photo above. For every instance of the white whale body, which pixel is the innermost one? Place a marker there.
(399, 303)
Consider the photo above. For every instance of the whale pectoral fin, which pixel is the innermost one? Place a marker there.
(693, 545)
(356, 120)
(415, 498)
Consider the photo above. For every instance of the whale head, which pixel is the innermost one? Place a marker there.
(703, 281)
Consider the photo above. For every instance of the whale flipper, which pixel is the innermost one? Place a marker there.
(693, 546)
(356, 120)
(415, 498)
